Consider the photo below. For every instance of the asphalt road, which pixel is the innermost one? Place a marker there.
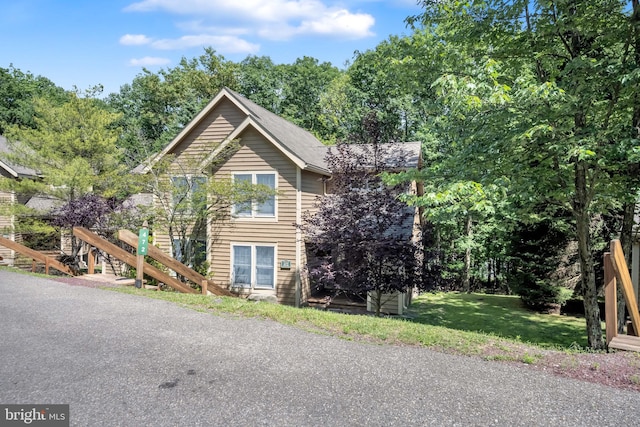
(124, 360)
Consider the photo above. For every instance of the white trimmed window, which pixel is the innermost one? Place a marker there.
(189, 192)
(253, 266)
(256, 209)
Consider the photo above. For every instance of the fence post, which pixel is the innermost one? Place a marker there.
(91, 262)
(610, 299)
(205, 287)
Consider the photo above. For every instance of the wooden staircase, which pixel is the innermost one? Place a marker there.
(131, 239)
(616, 270)
(104, 245)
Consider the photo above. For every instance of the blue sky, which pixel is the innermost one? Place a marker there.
(89, 42)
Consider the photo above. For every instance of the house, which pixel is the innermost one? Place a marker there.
(259, 252)
(8, 198)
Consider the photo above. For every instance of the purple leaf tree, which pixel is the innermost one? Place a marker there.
(362, 236)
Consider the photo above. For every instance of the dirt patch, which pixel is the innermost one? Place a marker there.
(79, 281)
(618, 369)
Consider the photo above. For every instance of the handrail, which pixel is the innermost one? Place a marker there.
(111, 249)
(616, 270)
(622, 275)
(37, 256)
(131, 239)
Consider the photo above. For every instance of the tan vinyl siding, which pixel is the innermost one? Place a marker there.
(6, 225)
(195, 147)
(207, 135)
(258, 155)
(312, 187)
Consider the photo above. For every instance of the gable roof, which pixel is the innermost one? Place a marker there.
(15, 171)
(299, 145)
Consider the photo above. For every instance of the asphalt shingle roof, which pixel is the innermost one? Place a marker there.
(21, 171)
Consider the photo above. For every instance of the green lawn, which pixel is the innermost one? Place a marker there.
(490, 325)
(501, 315)
(493, 326)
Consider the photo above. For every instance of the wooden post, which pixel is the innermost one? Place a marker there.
(46, 265)
(142, 251)
(205, 286)
(91, 262)
(610, 299)
(33, 265)
(623, 277)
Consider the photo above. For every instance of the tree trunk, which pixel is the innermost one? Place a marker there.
(466, 273)
(587, 270)
(378, 302)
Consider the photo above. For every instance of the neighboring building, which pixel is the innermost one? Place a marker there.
(8, 198)
(260, 251)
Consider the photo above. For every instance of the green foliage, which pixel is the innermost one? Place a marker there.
(156, 106)
(17, 93)
(536, 101)
(72, 148)
(536, 255)
(188, 203)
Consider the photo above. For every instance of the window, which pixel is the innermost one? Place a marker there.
(195, 252)
(189, 192)
(264, 208)
(253, 266)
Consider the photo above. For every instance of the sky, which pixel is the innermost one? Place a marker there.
(83, 43)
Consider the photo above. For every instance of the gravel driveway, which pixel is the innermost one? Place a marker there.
(125, 360)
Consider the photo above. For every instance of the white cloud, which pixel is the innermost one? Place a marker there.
(339, 23)
(148, 61)
(134, 39)
(275, 19)
(222, 44)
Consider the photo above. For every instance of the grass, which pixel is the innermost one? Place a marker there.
(494, 327)
(500, 315)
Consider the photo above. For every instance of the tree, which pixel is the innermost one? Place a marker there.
(261, 81)
(72, 147)
(545, 103)
(191, 206)
(306, 80)
(17, 92)
(156, 106)
(361, 233)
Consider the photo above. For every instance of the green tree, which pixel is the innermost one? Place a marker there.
(546, 107)
(72, 148)
(156, 106)
(17, 93)
(261, 81)
(306, 81)
(190, 205)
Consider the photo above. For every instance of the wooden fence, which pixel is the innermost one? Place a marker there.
(48, 261)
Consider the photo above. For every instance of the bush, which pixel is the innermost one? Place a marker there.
(541, 295)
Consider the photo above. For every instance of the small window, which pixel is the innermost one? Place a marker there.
(189, 193)
(264, 208)
(253, 266)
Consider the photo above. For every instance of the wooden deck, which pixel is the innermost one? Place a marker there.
(625, 342)
(340, 303)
